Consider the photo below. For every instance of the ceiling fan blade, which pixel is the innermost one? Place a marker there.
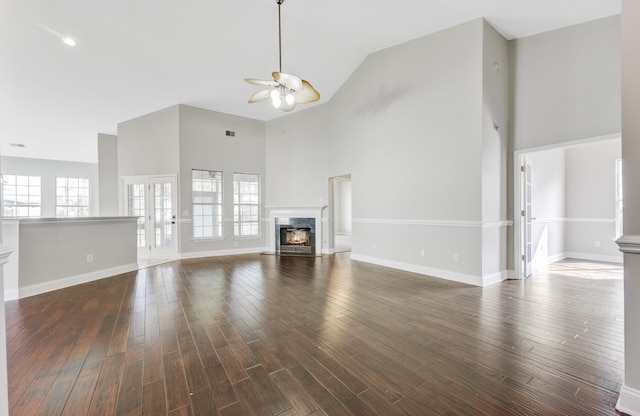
(290, 81)
(307, 94)
(260, 96)
(263, 82)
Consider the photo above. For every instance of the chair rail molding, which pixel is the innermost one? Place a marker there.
(629, 244)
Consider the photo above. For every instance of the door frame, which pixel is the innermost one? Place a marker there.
(331, 236)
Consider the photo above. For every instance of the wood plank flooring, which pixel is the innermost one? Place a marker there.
(268, 335)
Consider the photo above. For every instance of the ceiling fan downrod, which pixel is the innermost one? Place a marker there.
(279, 34)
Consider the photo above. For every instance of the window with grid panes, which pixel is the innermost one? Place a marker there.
(246, 204)
(206, 195)
(72, 197)
(21, 196)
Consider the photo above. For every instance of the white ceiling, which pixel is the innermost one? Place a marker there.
(134, 57)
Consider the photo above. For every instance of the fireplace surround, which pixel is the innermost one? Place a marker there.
(295, 236)
(312, 218)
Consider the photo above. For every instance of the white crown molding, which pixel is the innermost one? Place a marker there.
(629, 244)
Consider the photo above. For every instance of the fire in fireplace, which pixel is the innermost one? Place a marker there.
(295, 236)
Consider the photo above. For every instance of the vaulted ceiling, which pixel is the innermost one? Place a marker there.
(133, 57)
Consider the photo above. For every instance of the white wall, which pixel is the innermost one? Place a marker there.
(204, 145)
(591, 201)
(566, 84)
(49, 170)
(108, 175)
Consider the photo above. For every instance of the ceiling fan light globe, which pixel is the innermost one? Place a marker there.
(290, 99)
(275, 98)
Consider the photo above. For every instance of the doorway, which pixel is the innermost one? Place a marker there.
(341, 209)
(153, 199)
(565, 204)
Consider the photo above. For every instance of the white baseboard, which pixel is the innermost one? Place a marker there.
(556, 257)
(629, 401)
(594, 257)
(11, 294)
(40, 288)
(218, 253)
(494, 278)
(430, 271)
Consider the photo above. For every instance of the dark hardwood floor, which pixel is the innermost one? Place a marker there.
(267, 335)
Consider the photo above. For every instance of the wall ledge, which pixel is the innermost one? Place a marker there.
(629, 244)
(629, 401)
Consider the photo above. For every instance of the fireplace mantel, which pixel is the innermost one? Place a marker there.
(296, 212)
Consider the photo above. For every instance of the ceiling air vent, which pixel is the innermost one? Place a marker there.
(231, 133)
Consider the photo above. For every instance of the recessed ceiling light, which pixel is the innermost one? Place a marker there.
(69, 41)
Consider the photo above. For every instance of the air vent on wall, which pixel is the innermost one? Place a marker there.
(17, 145)
(231, 133)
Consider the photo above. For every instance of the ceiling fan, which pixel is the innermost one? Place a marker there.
(286, 90)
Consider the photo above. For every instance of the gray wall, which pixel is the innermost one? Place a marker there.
(566, 84)
(108, 175)
(399, 139)
(591, 201)
(149, 145)
(204, 145)
(49, 170)
(296, 159)
(54, 251)
(495, 139)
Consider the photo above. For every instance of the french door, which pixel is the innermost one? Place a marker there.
(153, 199)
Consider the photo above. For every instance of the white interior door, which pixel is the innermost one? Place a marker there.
(525, 223)
(153, 199)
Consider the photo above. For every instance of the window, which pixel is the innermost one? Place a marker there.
(72, 197)
(206, 194)
(246, 204)
(21, 196)
(136, 208)
(618, 198)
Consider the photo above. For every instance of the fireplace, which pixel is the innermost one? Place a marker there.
(295, 236)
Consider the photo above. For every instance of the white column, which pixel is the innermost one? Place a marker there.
(629, 400)
(4, 386)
